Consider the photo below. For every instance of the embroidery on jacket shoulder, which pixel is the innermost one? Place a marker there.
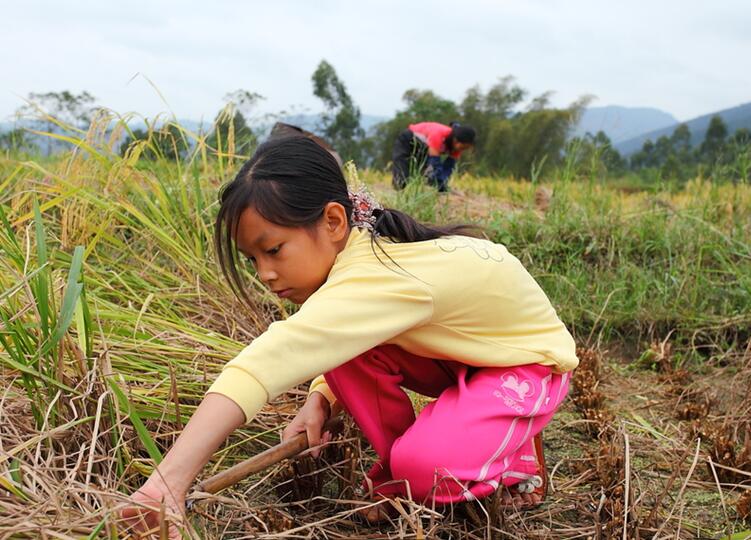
(484, 249)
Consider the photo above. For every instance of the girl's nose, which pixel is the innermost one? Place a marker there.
(266, 274)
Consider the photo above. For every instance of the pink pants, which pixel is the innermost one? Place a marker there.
(476, 435)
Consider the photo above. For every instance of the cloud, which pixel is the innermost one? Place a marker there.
(682, 57)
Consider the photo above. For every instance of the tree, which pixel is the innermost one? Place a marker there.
(539, 135)
(71, 109)
(672, 168)
(610, 158)
(740, 159)
(16, 140)
(681, 139)
(742, 136)
(680, 163)
(663, 149)
(166, 142)
(231, 132)
(515, 142)
(497, 148)
(645, 158)
(340, 124)
(503, 97)
(711, 150)
(489, 113)
(424, 105)
(670, 157)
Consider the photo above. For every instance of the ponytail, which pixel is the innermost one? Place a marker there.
(404, 228)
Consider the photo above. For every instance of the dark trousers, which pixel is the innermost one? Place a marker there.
(408, 158)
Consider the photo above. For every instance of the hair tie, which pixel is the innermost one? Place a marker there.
(363, 205)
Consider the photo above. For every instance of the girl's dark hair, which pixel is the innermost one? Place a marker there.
(289, 181)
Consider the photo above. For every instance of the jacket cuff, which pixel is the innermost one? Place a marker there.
(319, 385)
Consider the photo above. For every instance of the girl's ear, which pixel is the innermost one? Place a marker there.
(335, 221)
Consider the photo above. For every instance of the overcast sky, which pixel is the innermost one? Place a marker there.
(685, 57)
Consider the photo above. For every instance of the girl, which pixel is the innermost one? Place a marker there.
(418, 150)
(385, 303)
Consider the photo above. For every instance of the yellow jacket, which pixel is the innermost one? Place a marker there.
(454, 298)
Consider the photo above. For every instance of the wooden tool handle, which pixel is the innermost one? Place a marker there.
(275, 454)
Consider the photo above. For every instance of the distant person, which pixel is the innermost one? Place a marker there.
(418, 150)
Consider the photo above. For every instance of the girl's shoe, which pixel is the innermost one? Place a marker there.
(380, 513)
(376, 514)
(535, 485)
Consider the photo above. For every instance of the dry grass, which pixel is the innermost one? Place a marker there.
(636, 467)
(655, 441)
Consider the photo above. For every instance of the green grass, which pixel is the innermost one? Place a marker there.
(114, 314)
(622, 265)
(631, 268)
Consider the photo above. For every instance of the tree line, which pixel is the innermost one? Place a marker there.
(720, 154)
(517, 135)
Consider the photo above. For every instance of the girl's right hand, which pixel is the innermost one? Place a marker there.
(154, 508)
(310, 419)
(215, 418)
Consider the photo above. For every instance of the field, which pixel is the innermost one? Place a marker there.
(115, 319)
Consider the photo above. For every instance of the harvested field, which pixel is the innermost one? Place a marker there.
(115, 320)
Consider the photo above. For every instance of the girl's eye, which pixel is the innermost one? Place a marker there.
(251, 260)
(274, 250)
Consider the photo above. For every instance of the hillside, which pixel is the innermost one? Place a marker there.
(622, 123)
(734, 118)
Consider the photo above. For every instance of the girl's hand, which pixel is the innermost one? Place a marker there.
(154, 511)
(310, 419)
(158, 507)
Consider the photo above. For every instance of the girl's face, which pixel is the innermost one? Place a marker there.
(293, 261)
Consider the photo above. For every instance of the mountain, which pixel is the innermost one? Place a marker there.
(622, 123)
(734, 118)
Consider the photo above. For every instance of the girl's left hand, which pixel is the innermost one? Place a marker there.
(310, 419)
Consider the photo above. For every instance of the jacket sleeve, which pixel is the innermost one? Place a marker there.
(358, 308)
